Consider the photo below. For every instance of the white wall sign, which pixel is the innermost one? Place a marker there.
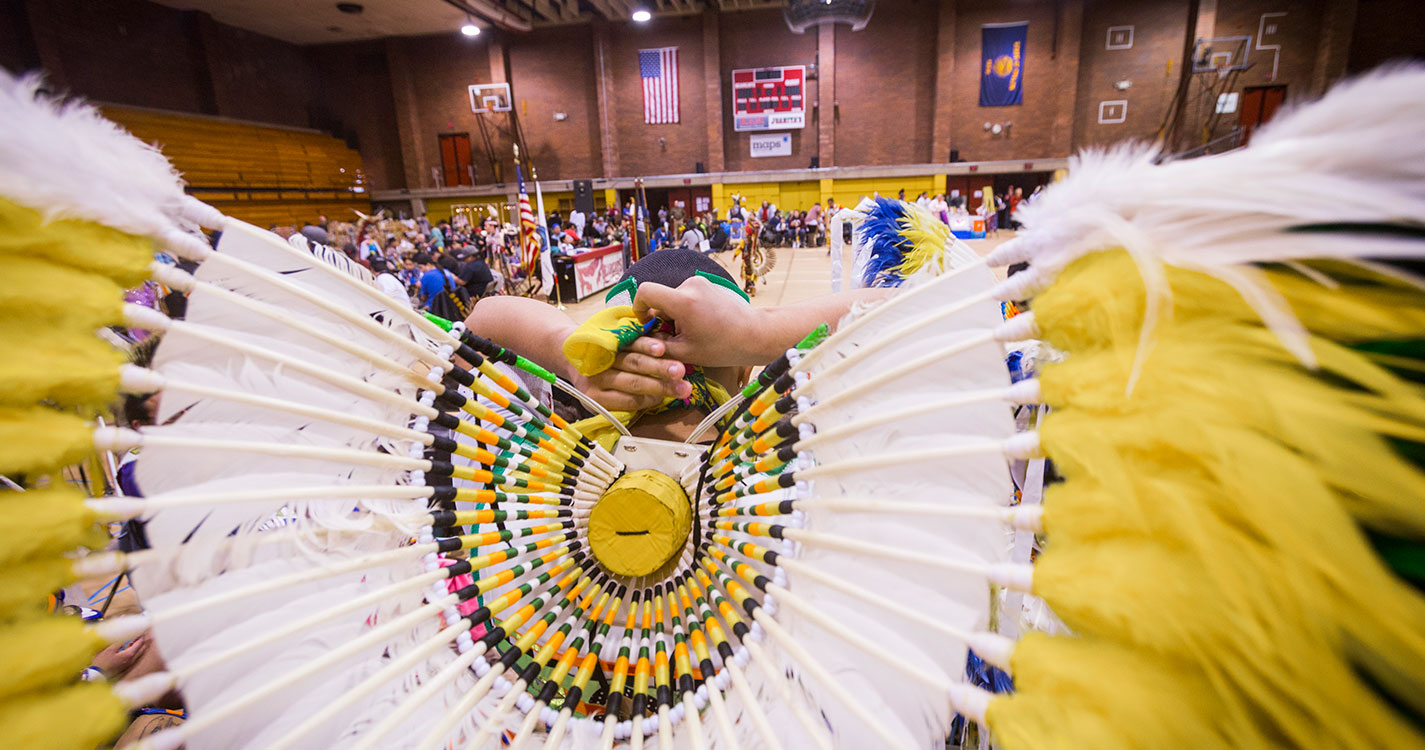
(1227, 103)
(1112, 112)
(773, 144)
(1119, 37)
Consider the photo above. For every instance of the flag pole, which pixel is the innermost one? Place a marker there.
(548, 241)
(519, 220)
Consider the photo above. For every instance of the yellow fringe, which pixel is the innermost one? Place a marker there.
(43, 653)
(38, 439)
(591, 348)
(1078, 693)
(66, 368)
(1207, 531)
(46, 522)
(24, 587)
(40, 295)
(81, 245)
(83, 715)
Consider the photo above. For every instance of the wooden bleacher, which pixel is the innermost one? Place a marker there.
(265, 175)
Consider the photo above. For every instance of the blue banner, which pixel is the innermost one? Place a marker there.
(1002, 64)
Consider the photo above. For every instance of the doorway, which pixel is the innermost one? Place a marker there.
(455, 160)
(1259, 105)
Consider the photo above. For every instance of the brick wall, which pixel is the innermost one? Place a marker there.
(354, 102)
(1151, 66)
(761, 39)
(255, 77)
(1033, 128)
(684, 143)
(885, 84)
(912, 73)
(549, 74)
(125, 51)
(1380, 34)
(435, 73)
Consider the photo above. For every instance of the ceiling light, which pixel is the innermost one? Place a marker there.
(641, 15)
(350, 8)
(470, 29)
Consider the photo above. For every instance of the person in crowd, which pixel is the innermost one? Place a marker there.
(389, 283)
(659, 240)
(900, 194)
(692, 239)
(794, 228)
(432, 279)
(922, 200)
(764, 212)
(812, 223)
(718, 236)
(576, 220)
(475, 275)
(350, 251)
(1015, 199)
(939, 207)
(599, 229)
(662, 214)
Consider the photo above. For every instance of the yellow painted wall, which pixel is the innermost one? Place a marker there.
(787, 196)
(439, 208)
(850, 192)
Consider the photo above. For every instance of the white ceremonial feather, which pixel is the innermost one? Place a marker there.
(903, 706)
(266, 250)
(247, 377)
(259, 286)
(65, 160)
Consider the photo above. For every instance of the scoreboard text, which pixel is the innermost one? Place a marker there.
(769, 98)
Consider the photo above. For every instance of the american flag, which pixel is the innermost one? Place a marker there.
(659, 70)
(529, 229)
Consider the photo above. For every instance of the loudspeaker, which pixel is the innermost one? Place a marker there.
(954, 154)
(815, 163)
(700, 169)
(584, 196)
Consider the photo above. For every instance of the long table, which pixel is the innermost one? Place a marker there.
(589, 272)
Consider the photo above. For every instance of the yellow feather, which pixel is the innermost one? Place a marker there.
(82, 715)
(38, 439)
(81, 245)
(927, 235)
(51, 521)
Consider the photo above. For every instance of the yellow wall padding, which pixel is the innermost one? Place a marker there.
(46, 522)
(83, 245)
(80, 716)
(39, 439)
(640, 523)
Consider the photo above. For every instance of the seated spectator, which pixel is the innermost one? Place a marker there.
(692, 239)
(432, 279)
(717, 241)
(660, 239)
(475, 275)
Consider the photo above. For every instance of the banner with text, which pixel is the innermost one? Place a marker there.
(1002, 63)
(772, 144)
